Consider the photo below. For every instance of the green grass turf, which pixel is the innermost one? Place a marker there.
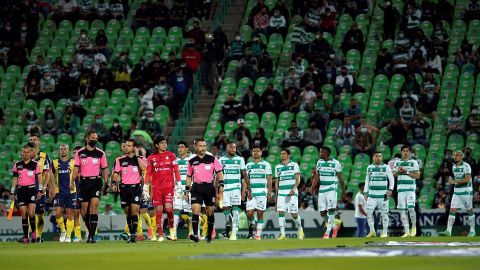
(109, 255)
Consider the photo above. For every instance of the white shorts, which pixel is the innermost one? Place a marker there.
(406, 200)
(232, 198)
(464, 202)
(257, 203)
(181, 204)
(287, 204)
(327, 200)
(372, 204)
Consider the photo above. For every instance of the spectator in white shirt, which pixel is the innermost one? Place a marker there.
(407, 111)
(307, 98)
(277, 24)
(343, 81)
(360, 212)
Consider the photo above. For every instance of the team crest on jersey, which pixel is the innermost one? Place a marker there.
(84, 162)
(32, 198)
(166, 157)
(125, 163)
(136, 198)
(97, 193)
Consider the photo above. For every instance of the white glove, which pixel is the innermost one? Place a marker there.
(145, 193)
(179, 190)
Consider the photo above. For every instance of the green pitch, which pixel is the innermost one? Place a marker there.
(109, 255)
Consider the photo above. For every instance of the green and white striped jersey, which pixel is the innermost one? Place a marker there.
(286, 177)
(183, 169)
(459, 173)
(328, 174)
(232, 172)
(378, 180)
(406, 183)
(257, 173)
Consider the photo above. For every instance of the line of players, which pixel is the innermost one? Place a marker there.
(76, 186)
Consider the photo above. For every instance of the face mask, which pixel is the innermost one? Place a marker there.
(455, 112)
(332, 55)
(238, 38)
(474, 112)
(401, 36)
(430, 95)
(115, 124)
(416, 44)
(8, 28)
(150, 119)
(98, 121)
(84, 35)
(404, 95)
(92, 143)
(364, 130)
(24, 28)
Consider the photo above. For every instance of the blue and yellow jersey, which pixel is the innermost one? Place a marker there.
(43, 161)
(62, 173)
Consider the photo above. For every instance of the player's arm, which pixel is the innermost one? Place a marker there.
(219, 173)
(295, 186)
(141, 165)
(51, 184)
(361, 209)
(315, 180)
(395, 170)
(342, 184)
(391, 182)
(188, 181)
(13, 191)
(269, 188)
(247, 191)
(74, 176)
(367, 185)
(465, 180)
(40, 186)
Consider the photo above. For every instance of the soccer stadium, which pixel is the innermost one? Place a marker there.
(240, 133)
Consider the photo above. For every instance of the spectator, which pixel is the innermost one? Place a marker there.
(251, 101)
(16, 55)
(293, 136)
(32, 88)
(49, 121)
(442, 176)
(353, 40)
(47, 86)
(320, 46)
(215, 152)
(271, 101)
(383, 64)
(344, 81)
(419, 131)
(363, 143)
(472, 12)
(122, 77)
(104, 78)
(151, 126)
(284, 11)
(28, 35)
(122, 59)
(241, 129)
(101, 44)
(427, 104)
(440, 200)
(260, 139)
(329, 22)
(472, 125)
(313, 18)
(476, 198)
(8, 35)
(320, 121)
(116, 9)
(83, 41)
(434, 62)
(116, 133)
(370, 129)
(197, 34)
(146, 101)
(109, 211)
(444, 11)
(391, 17)
(248, 67)
(243, 145)
(221, 141)
(413, 16)
(307, 98)
(428, 8)
(411, 88)
(69, 122)
(337, 109)
(192, 57)
(400, 58)
(278, 24)
(102, 9)
(292, 100)
(298, 66)
(30, 118)
(181, 85)
(360, 211)
(132, 129)
(300, 39)
(354, 112)
(345, 133)
(313, 135)
(236, 50)
(398, 129)
(455, 122)
(261, 22)
(101, 130)
(220, 43)
(407, 111)
(142, 17)
(348, 202)
(87, 10)
(471, 161)
(231, 110)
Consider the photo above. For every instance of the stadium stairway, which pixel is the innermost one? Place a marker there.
(203, 108)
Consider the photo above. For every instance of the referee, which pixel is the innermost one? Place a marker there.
(90, 164)
(201, 171)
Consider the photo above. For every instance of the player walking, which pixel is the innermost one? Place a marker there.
(260, 176)
(90, 165)
(328, 174)
(407, 172)
(379, 184)
(287, 179)
(162, 172)
(65, 198)
(233, 170)
(462, 194)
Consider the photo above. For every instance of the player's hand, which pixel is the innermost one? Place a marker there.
(244, 195)
(51, 193)
(366, 197)
(146, 195)
(114, 188)
(389, 193)
(269, 198)
(451, 182)
(72, 186)
(39, 195)
(185, 196)
(249, 195)
(292, 192)
(12, 197)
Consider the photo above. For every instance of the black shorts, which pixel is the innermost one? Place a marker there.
(130, 194)
(26, 195)
(90, 188)
(203, 193)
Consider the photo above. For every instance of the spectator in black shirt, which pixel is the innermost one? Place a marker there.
(271, 101)
(142, 17)
(471, 161)
(444, 11)
(251, 101)
(116, 133)
(353, 40)
(419, 131)
(398, 129)
(231, 110)
(391, 17)
(221, 141)
(104, 78)
(260, 139)
(241, 129)
(440, 199)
